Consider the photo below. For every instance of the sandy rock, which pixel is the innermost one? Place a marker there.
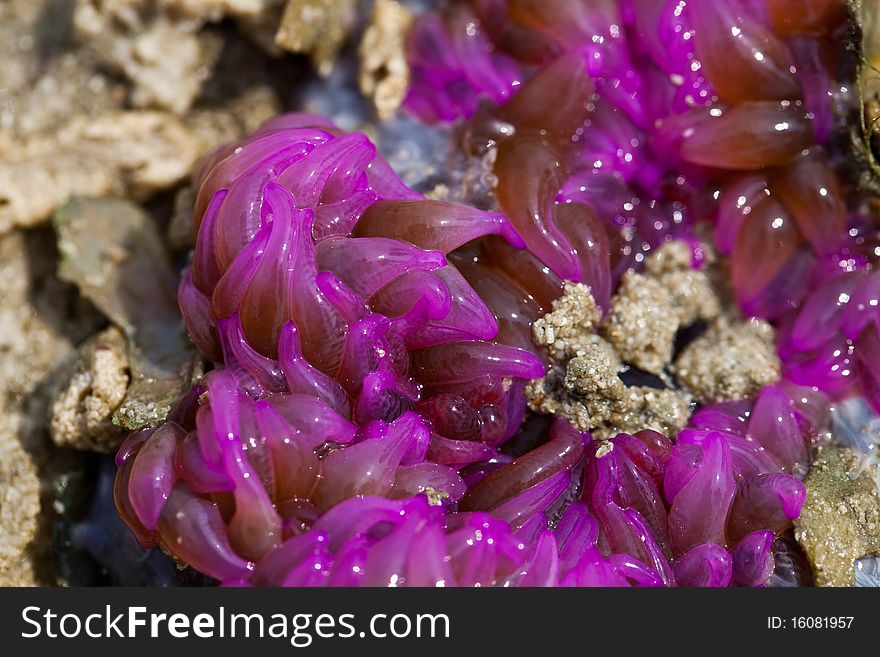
(666, 411)
(123, 153)
(82, 413)
(68, 86)
(167, 59)
(574, 315)
(732, 360)
(586, 390)
(19, 507)
(840, 520)
(237, 116)
(66, 127)
(594, 371)
(40, 320)
(693, 296)
(215, 10)
(384, 71)
(642, 322)
(584, 384)
(112, 251)
(318, 28)
(33, 339)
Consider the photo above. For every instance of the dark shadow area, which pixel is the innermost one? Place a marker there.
(283, 73)
(632, 376)
(54, 29)
(57, 303)
(532, 434)
(684, 337)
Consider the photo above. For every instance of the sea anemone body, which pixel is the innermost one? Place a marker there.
(354, 365)
(371, 346)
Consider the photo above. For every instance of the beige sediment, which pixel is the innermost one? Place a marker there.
(588, 355)
(642, 322)
(318, 28)
(19, 506)
(840, 519)
(384, 71)
(82, 413)
(734, 359)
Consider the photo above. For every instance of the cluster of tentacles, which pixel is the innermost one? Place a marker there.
(370, 347)
(356, 361)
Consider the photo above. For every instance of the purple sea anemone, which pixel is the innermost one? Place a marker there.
(370, 347)
(356, 361)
